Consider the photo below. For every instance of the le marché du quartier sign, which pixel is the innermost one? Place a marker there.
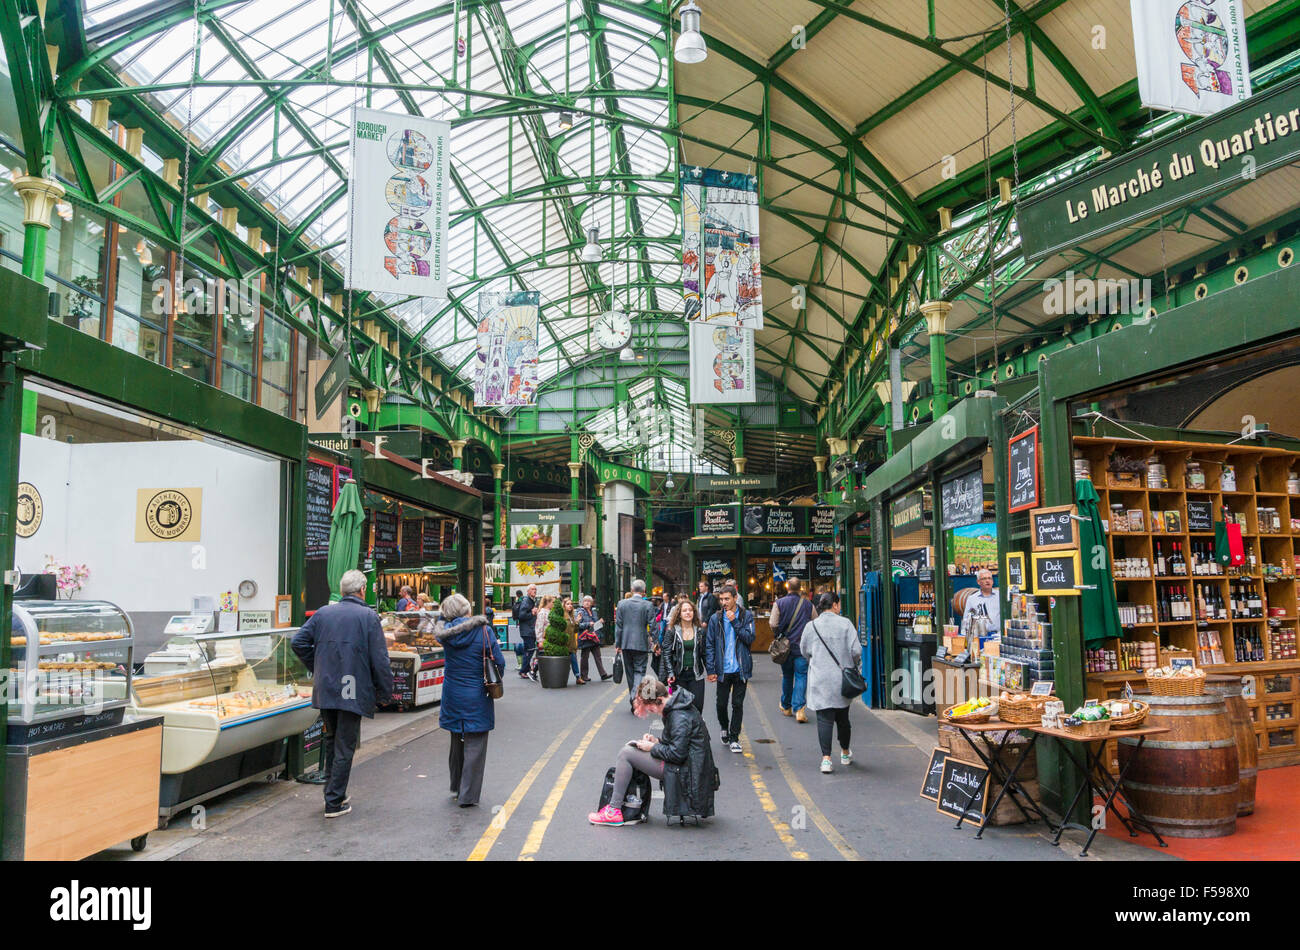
(1216, 154)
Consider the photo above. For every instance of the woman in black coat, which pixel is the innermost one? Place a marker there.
(681, 757)
(467, 711)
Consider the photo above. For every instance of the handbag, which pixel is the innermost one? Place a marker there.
(779, 651)
(852, 683)
(492, 684)
(618, 668)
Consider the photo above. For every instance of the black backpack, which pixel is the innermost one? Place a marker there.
(636, 804)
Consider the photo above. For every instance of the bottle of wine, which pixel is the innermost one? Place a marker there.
(1160, 561)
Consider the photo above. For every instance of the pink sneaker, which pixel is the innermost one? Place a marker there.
(609, 815)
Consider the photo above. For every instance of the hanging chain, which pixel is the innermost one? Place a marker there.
(1011, 87)
(989, 293)
(178, 288)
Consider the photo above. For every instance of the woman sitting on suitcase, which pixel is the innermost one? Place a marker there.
(681, 758)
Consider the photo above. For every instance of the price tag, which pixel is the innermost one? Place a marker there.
(1091, 702)
(1042, 688)
(1182, 663)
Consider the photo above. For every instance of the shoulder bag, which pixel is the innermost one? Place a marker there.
(492, 684)
(852, 684)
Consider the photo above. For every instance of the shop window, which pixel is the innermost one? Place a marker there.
(239, 341)
(236, 382)
(196, 313)
(193, 363)
(277, 400)
(277, 342)
(75, 253)
(139, 337)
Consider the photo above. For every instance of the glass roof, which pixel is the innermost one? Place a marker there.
(280, 77)
(656, 422)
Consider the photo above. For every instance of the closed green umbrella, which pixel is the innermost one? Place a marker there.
(345, 536)
(1099, 613)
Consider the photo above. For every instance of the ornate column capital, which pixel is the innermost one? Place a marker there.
(820, 461)
(497, 471)
(39, 197)
(739, 463)
(458, 447)
(575, 469)
(936, 316)
(507, 486)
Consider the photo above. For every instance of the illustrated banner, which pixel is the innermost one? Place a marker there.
(722, 365)
(1191, 56)
(508, 357)
(398, 204)
(545, 574)
(721, 277)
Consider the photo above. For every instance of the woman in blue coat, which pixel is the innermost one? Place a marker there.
(467, 712)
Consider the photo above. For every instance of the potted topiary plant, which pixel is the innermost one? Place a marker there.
(553, 664)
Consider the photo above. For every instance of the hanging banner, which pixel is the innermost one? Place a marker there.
(542, 573)
(399, 195)
(507, 349)
(1191, 56)
(722, 365)
(721, 277)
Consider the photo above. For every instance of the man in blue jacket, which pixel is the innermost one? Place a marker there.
(728, 662)
(343, 646)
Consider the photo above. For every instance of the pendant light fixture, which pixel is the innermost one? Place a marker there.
(566, 121)
(591, 254)
(690, 46)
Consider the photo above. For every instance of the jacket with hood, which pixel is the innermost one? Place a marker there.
(715, 640)
(465, 706)
(689, 774)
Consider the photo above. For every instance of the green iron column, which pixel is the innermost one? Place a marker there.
(738, 462)
(936, 324)
(575, 531)
(498, 528)
(598, 548)
(820, 461)
(39, 197)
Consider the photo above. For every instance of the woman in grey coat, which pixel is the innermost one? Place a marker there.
(830, 643)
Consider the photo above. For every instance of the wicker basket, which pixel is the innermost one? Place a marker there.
(1090, 730)
(1133, 719)
(973, 719)
(1177, 685)
(1027, 712)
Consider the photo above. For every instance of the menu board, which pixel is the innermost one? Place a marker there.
(826, 567)
(963, 500)
(821, 521)
(930, 785)
(1022, 471)
(715, 567)
(1057, 573)
(718, 519)
(386, 546)
(431, 541)
(779, 521)
(412, 540)
(963, 789)
(341, 474)
(320, 488)
(1054, 529)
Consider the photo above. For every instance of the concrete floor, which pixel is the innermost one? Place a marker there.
(546, 762)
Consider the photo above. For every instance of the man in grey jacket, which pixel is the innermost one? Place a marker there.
(632, 619)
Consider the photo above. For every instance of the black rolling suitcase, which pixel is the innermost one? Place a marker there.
(636, 805)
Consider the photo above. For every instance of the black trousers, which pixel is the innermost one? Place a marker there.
(731, 693)
(828, 719)
(686, 680)
(466, 760)
(340, 741)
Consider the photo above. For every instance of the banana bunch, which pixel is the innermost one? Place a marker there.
(968, 707)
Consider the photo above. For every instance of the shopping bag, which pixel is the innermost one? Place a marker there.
(618, 668)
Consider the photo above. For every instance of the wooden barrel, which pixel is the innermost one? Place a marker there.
(1229, 687)
(1185, 781)
(959, 599)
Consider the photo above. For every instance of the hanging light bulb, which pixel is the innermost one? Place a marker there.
(690, 46)
(670, 484)
(592, 254)
(628, 355)
(566, 121)
(65, 210)
(143, 254)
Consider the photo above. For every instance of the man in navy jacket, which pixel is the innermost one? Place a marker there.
(728, 662)
(343, 646)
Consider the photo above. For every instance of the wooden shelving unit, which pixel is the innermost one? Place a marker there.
(1261, 483)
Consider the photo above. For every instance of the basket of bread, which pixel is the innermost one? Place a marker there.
(1126, 713)
(1175, 681)
(1021, 708)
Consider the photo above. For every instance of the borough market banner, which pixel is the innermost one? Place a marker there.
(1191, 54)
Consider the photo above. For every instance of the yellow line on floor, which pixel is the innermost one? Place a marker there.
(501, 818)
(836, 839)
(781, 828)
(538, 831)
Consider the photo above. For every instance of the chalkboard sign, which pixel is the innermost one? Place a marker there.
(1200, 515)
(412, 541)
(963, 789)
(718, 519)
(826, 567)
(963, 500)
(403, 679)
(780, 521)
(1015, 570)
(931, 784)
(1054, 529)
(386, 547)
(320, 488)
(431, 541)
(1057, 573)
(821, 522)
(1022, 471)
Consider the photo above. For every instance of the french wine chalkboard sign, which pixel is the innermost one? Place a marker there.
(1022, 471)
(1057, 573)
(933, 780)
(1054, 529)
(963, 789)
(963, 500)
(1200, 516)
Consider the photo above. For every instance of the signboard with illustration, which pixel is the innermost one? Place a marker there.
(538, 537)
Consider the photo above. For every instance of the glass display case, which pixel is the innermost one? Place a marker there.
(228, 702)
(71, 664)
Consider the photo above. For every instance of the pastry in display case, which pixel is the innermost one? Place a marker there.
(228, 702)
(70, 665)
